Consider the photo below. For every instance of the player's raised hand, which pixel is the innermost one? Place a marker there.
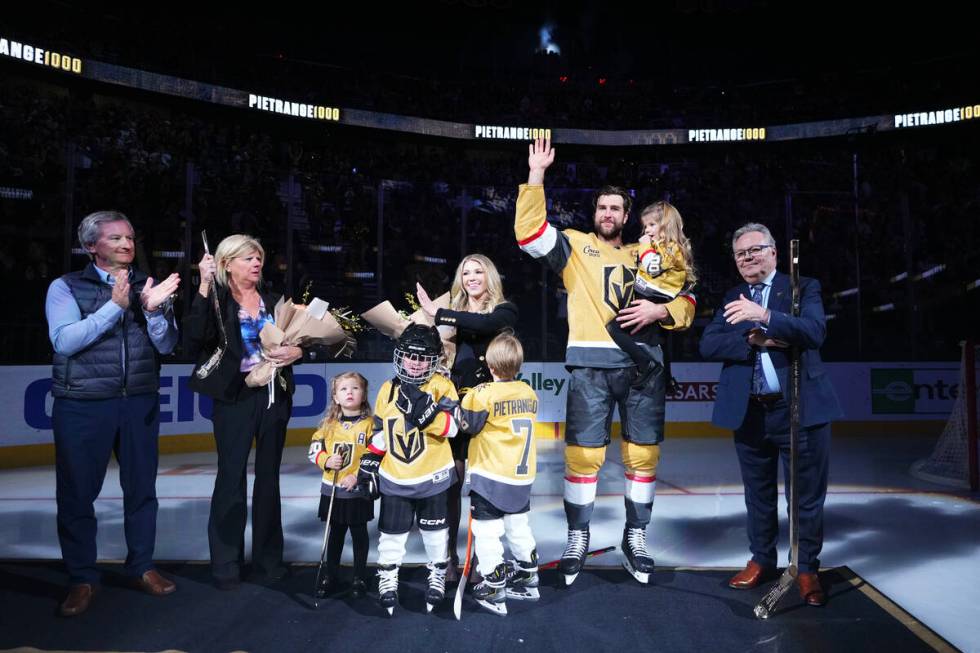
(540, 156)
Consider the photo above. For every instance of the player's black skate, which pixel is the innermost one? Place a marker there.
(573, 559)
(522, 579)
(636, 559)
(437, 584)
(388, 587)
(491, 593)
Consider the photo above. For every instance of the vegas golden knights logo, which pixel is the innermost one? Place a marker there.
(617, 286)
(405, 446)
(346, 452)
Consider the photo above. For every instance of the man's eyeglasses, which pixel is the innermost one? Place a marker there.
(741, 254)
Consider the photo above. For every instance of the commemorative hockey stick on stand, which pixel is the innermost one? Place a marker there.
(768, 603)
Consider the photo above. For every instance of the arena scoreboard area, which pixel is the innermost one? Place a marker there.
(36, 54)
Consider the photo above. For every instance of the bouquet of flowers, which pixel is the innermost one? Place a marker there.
(391, 322)
(300, 325)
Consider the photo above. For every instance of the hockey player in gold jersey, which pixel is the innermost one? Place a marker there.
(409, 461)
(502, 465)
(599, 273)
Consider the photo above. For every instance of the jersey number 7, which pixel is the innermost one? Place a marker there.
(523, 428)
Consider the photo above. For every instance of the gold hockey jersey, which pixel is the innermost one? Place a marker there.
(661, 273)
(416, 464)
(502, 460)
(599, 279)
(347, 437)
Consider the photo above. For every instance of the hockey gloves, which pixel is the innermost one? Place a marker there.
(417, 406)
(367, 475)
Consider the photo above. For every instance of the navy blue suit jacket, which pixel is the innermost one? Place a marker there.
(727, 343)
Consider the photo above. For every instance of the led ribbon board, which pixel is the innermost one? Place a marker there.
(31, 53)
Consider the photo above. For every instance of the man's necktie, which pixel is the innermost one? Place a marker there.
(759, 385)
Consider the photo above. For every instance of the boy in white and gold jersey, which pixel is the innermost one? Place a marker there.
(502, 464)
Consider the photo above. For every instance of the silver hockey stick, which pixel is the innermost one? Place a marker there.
(768, 603)
(323, 549)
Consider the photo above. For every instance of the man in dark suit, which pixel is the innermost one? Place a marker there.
(751, 335)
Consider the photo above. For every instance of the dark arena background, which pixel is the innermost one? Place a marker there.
(371, 147)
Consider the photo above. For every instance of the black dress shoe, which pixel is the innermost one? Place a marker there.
(358, 588)
(325, 587)
(270, 577)
(229, 584)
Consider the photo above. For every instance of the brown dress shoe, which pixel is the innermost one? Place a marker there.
(79, 598)
(810, 589)
(751, 576)
(153, 582)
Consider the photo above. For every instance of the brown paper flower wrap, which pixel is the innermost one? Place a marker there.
(391, 323)
(297, 325)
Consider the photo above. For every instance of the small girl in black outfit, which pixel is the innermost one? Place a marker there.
(337, 447)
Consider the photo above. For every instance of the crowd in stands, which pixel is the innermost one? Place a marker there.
(322, 199)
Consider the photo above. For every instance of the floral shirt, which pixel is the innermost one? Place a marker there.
(251, 327)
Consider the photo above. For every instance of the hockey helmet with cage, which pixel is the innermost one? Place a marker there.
(417, 352)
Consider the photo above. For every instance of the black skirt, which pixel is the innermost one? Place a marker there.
(346, 512)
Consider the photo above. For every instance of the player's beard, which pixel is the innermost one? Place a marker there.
(610, 231)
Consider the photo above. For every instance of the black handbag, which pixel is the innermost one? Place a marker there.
(214, 360)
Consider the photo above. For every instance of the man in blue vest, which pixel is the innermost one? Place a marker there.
(108, 324)
(751, 335)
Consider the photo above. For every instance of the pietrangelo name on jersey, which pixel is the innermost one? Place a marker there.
(515, 407)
